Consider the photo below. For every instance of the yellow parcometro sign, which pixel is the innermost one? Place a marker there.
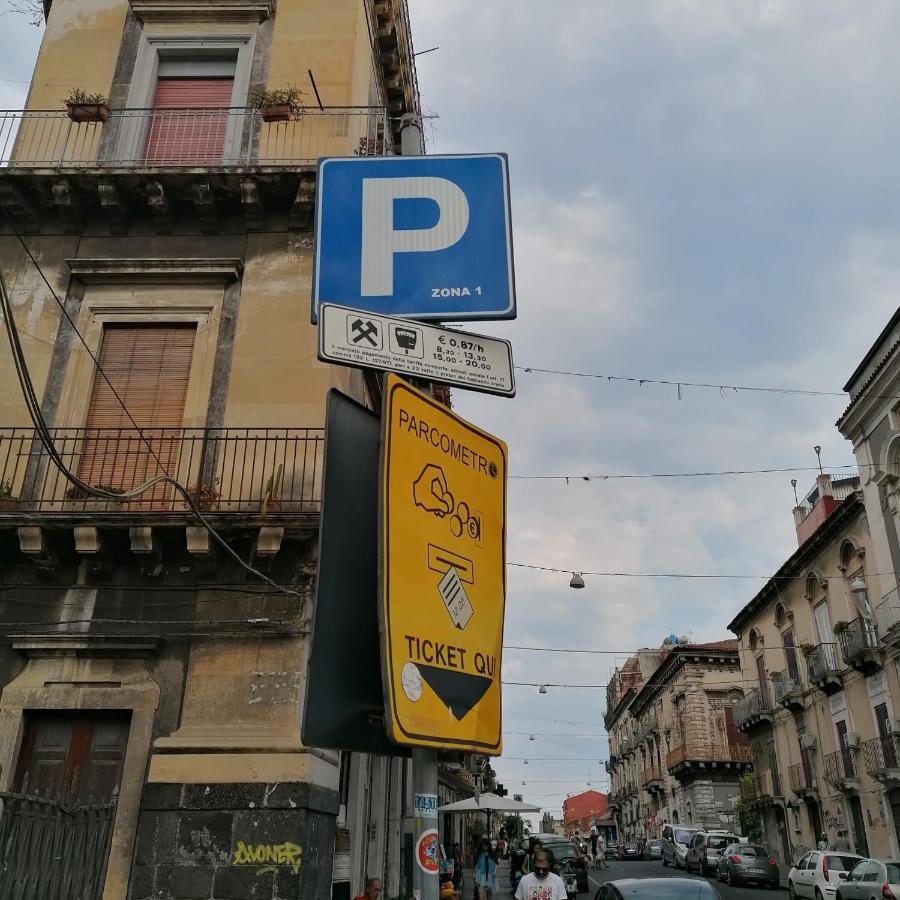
(443, 575)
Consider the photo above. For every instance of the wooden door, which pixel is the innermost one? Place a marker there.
(73, 756)
(790, 655)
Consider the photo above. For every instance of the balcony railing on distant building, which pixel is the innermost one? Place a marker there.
(823, 660)
(763, 787)
(248, 471)
(784, 687)
(859, 643)
(753, 708)
(840, 767)
(887, 615)
(707, 752)
(882, 755)
(802, 779)
(202, 137)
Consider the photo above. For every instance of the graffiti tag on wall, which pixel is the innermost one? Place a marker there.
(268, 856)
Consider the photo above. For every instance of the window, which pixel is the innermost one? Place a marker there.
(73, 756)
(873, 872)
(856, 874)
(148, 367)
(190, 115)
(779, 615)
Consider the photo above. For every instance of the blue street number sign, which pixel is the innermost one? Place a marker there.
(424, 237)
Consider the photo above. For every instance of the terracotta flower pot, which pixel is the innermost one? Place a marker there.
(88, 112)
(278, 112)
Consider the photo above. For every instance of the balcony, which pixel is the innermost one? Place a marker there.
(825, 669)
(652, 779)
(689, 760)
(788, 692)
(753, 711)
(234, 137)
(881, 756)
(859, 646)
(763, 790)
(803, 781)
(267, 478)
(626, 747)
(217, 163)
(840, 770)
(887, 617)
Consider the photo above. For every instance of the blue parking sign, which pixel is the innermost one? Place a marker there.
(427, 237)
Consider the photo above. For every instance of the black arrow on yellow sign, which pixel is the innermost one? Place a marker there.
(460, 691)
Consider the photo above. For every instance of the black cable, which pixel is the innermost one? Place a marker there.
(46, 438)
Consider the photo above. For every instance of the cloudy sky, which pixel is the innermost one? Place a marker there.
(703, 190)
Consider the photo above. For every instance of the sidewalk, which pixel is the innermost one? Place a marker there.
(503, 886)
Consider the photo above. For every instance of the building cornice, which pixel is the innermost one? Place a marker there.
(798, 562)
(219, 270)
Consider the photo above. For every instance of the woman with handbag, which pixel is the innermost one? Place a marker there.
(485, 872)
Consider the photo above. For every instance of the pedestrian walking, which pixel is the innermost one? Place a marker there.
(601, 852)
(372, 891)
(842, 843)
(823, 842)
(541, 884)
(485, 872)
(457, 868)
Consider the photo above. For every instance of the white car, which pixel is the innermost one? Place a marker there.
(878, 878)
(817, 874)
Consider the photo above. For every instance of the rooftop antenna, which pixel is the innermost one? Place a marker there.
(818, 450)
(794, 486)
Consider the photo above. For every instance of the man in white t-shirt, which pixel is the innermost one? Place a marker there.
(541, 883)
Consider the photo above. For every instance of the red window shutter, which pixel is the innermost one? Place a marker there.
(189, 121)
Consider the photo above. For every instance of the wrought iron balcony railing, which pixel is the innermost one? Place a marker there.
(202, 137)
(651, 774)
(248, 471)
(840, 767)
(785, 687)
(754, 705)
(822, 661)
(887, 615)
(802, 779)
(881, 754)
(859, 641)
(707, 752)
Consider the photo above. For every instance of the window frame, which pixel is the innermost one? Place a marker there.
(145, 75)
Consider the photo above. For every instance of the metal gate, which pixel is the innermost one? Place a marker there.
(51, 850)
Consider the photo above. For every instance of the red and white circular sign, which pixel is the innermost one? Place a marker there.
(428, 851)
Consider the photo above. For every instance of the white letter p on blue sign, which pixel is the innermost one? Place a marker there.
(427, 237)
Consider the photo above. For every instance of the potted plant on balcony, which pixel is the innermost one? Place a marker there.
(807, 649)
(205, 495)
(84, 107)
(841, 626)
(279, 105)
(93, 503)
(8, 503)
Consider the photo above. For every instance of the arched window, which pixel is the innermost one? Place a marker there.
(814, 586)
(779, 615)
(848, 556)
(754, 639)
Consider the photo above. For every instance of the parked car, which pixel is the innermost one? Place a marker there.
(870, 878)
(568, 860)
(740, 863)
(817, 873)
(653, 850)
(630, 850)
(675, 840)
(658, 889)
(705, 848)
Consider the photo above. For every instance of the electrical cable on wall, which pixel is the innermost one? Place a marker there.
(33, 405)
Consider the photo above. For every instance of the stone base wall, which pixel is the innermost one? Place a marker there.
(234, 842)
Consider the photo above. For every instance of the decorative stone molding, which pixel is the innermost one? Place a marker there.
(203, 10)
(193, 269)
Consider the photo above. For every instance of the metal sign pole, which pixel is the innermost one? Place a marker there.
(426, 884)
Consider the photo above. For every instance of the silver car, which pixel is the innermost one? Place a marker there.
(741, 863)
(705, 849)
(675, 841)
(870, 878)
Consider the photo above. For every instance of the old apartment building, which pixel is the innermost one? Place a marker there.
(674, 754)
(145, 672)
(820, 710)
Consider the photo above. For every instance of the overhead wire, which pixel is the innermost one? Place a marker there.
(681, 383)
(34, 409)
(613, 476)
